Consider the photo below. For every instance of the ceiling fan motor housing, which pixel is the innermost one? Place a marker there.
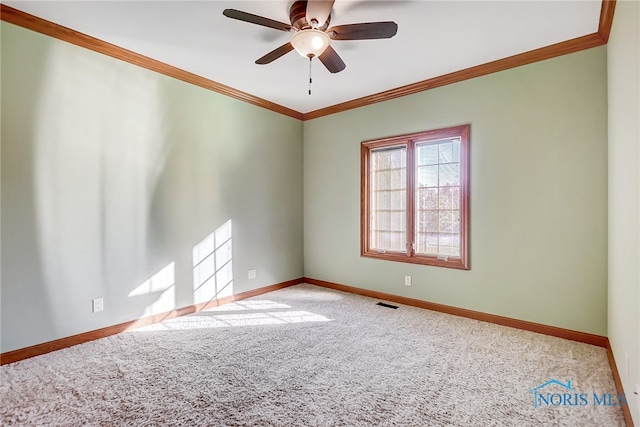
(298, 17)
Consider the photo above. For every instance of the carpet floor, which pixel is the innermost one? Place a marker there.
(310, 356)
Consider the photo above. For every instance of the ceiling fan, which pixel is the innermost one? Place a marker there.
(312, 36)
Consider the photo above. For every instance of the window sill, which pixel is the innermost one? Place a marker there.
(456, 263)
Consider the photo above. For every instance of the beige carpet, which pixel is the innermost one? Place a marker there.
(308, 356)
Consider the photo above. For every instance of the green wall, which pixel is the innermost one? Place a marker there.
(623, 53)
(538, 193)
(113, 174)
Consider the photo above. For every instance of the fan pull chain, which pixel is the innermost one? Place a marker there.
(310, 58)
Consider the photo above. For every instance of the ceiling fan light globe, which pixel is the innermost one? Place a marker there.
(317, 42)
(310, 42)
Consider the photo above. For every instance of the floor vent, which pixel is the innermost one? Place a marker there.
(384, 304)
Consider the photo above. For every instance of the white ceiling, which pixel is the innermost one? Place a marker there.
(434, 38)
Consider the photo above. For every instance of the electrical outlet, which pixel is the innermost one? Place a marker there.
(97, 305)
(407, 280)
(252, 274)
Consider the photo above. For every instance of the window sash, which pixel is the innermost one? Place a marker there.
(387, 196)
(437, 216)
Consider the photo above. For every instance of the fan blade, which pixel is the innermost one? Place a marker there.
(319, 11)
(255, 19)
(364, 31)
(332, 60)
(275, 54)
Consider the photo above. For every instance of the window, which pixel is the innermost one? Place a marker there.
(415, 198)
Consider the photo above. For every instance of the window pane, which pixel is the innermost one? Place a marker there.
(398, 158)
(397, 242)
(427, 154)
(427, 176)
(397, 221)
(427, 243)
(397, 179)
(421, 243)
(381, 180)
(449, 251)
(450, 174)
(449, 152)
(380, 239)
(427, 198)
(381, 220)
(397, 198)
(449, 222)
(427, 221)
(449, 244)
(380, 200)
(451, 240)
(380, 161)
(449, 198)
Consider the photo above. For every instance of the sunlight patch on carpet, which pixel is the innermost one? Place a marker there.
(206, 320)
(249, 305)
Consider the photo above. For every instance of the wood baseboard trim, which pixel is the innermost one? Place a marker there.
(619, 389)
(569, 334)
(59, 344)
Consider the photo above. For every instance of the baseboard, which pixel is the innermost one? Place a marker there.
(59, 344)
(569, 334)
(620, 390)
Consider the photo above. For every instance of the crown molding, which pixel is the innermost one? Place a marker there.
(606, 19)
(548, 52)
(25, 20)
(51, 29)
(589, 41)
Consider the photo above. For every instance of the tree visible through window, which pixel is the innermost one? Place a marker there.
(415, 198)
